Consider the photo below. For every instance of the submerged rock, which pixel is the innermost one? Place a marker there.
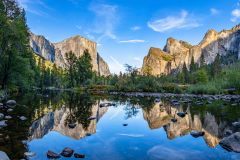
(77, 155)
(3, 156)
(91, 118)
(72, 125)
(52, 155)
(174, 120)
(67, 152)
(197, 134)
(181, 114)
(231, 143)
(30, 154)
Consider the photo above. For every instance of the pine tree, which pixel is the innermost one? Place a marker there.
(216, 66)
(84, 68)
(193, 66)
(202, 61)
(71, 68)
(185, 73)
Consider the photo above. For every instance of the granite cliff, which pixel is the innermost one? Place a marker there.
(177, 52)
(55, 52)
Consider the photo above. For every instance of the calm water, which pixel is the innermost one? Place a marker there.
(149, 134)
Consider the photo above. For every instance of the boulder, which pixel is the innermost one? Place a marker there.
(3, 123)
(157, 100)
(197, 134)
(3, 156)
(236, 124)
(22, 118)
(10, 110)
(8, 117)
(77, 155)
(67, 152)
(231, 143)
(11, 103)
(52, 155)
(227, 133)
(1, 116)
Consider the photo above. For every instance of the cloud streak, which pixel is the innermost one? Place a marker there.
(214, 11)
(105, 20)
(135, 28)
(28, 5)
(115, 66)
(182, 20)
(133, 41)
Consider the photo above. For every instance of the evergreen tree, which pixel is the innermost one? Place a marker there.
(202, 61)
(201, 76)
(71, 68)
(185, 73)
(84, 68)
(16, 59)
(193, 66)
(216, 66)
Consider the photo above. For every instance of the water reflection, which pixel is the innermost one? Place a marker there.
(72, 117)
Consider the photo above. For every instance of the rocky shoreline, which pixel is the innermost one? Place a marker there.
(166, 95)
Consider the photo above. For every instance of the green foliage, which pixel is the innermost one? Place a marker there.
(216, 66)
(16, 59)
(200, 76)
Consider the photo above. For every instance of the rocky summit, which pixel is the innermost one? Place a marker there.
(177, 52)
(55, 52)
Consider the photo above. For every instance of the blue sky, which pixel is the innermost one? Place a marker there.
(126, 29)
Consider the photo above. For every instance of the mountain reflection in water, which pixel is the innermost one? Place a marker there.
(64, 119)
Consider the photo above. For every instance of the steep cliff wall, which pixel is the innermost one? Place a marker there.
(55, 52)
(225, 43)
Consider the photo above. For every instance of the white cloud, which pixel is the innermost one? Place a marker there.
(115, 66)
(135, 28)
(132, 41)
(235, 15)
(214, 11)
(105, 20)
(183, 20)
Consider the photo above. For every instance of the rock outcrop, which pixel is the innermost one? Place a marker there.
(55, 52)
(226, 42)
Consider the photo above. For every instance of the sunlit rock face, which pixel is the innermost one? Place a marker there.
(226, 42)
(160, 116)
(56, 52)
(57, 121)
(42, 47)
